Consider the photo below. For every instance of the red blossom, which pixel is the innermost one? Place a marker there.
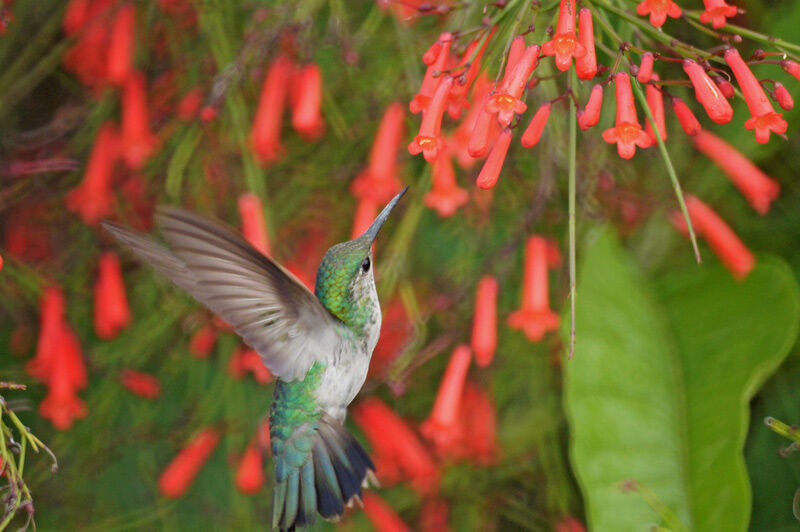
(379, 182)
(783, 97)
(658, 10)
(137, 142)
(725, 86)
(121, 44)
(306, 115)
(202, 342)
(381, 515)
(265, 135)
(179, 474)
(764, 118)
(716, 12)
(484, 321)
(479, 421)
(61, 405)
(689, 123)
(627, 133)
(433, 75)
(586, 66)
(534, 130)
(93, 199)
(88, 56)
(445, 196)
(111, 311)
(708, 93)
(645, 68)
(51, 324)
(506, 101)
(429, 141)
(254, 227)
(655, 101)
(589, 116)
(759, 189)
(720, 237)
(142, 384)
(479, 139)
(442, 427)
(458, 144)
(534, 317)
(250, 471)
(494, 162)
(467, 70)
(791, 67)
(564, 44)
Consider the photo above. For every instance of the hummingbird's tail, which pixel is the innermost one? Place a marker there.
(319, 467)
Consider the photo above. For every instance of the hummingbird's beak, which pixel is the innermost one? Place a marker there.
(372, 232)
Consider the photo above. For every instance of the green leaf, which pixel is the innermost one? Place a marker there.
(659, 387)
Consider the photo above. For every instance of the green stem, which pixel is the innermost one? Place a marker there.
(572, 161)
(753, 35)
(676, 185)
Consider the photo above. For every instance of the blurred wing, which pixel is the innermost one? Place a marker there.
(268, 307)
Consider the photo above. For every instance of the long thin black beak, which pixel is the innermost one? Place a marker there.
(372, 232)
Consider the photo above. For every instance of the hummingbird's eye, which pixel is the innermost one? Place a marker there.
(365, 265)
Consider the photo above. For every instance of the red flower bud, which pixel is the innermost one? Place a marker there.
(254, 227)
(586, 66)
(564, 44)
(265, 135)
(62, 406)
(51, 325)
(463, 81)
(443, 427)
(429, 141)
(379, 182)
(783, 97)
(484, 321)
(645, 68)
(759, 189)
(381, 515)
(445, 196)
(506, 102)
(494, 163)
(515, 52)
(306, 117)
(791, 67)
(535, 318)
(534, 130)
(658, 11)
(137, 142)
(765, 119)
(478, 144)
(707, 93)
(725, 86)
(590, 115)
(655, 101)
(250, 472)
(93, 199)
(179, 474)
(121, 45)
(202, 342)
(627, 133)
(720, 237)
(111, 310)
(716, 13)
(685, 116)
(479, 421)
(433, 76)
(141, 384)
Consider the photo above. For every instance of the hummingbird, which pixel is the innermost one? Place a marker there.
(318, 345)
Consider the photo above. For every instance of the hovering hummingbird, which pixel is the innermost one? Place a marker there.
(318, 345)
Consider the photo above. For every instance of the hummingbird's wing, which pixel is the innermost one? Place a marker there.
(268, 307)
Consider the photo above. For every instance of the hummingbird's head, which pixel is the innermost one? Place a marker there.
(345, 283)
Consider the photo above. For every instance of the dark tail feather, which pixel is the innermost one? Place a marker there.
(324, 479)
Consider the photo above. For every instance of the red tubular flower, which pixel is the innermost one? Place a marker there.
(111, 310)
(203, 341)
(685, 116)
(515, 52)
(484, 321)
(479, 419)
(366, 211)
(494, 163)
(458, 144)
(430, 55)
(62, 406)
(655, 101)
(759, 189)
(535, 318)
(764, 118)
(658, 11)
(381, 515)
(569, 524)
(93, 199)
(265, 135)
(51, 325)
(391, 437)
(76, 15)
(429, 140)
(645, 68)
(433, 76)
(564, 44)
(178, 476)
(791, 67)
(707, 93)
(141, 384)
(254, 227)
(534, 130)
(586, 66)
(589, 116)
(88, 57)
(783, 97)
(250, 472)
(189, 104)
(628, 132)
(120, 47)
(445, 196)
(506, 102)
(463, 81)
(725, 86)
(306, 117)
(433, 515)
(442, 427)
(379, 182)
(720, 237)
(478, 144)
(716, 12)
(138, 143)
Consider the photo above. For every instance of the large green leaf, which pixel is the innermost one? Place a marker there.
(658, 390)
